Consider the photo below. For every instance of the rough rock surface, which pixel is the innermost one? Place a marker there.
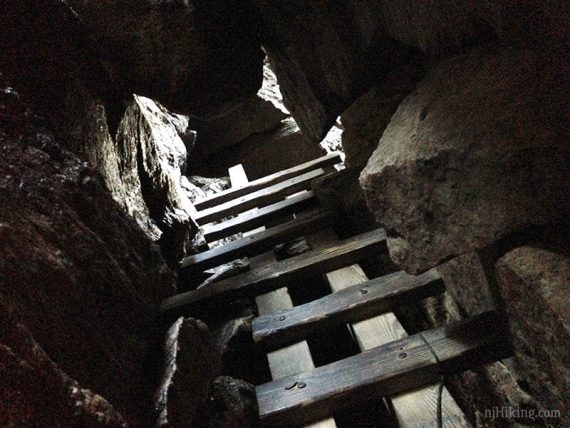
(151, 162)
(478, 151)
(191, 364)
(340, 191)
(75, 270)
(470, 279)
(232, 404)
(240, 356)
(58, 67)
(443, 27)
(258, 113)
(324, 56)
(50, 58)
(534, 282)
(194, 56)
(267, 152)
(261, 133)
(366, 119)
(35, 392)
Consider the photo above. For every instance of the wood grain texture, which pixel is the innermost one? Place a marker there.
(262, 241)
(248, 221)
(284, 272)
(238, 190)
(351, 304)
(294, 358)
(412, 409)
(386, 370)
(259, 198)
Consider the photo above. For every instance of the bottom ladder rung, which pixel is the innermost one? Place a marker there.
(396, 367)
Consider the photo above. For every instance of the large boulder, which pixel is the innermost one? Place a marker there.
(266, 152)
(477, 152)
(151, 162)
(75, 270)
(443, 27)
(35, 392)
(366, 119)
(258, 113)
(232, 404)
(326, 53)
(194, 56)
(191, 364)
(533, 280)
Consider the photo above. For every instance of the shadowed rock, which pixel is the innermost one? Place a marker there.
(35, 392)
(75, 270)
(534, 282)
(478, 151)
(197, 57)
(191, 364)
(232, 404)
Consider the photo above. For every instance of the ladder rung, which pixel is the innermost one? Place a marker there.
(387, 370)
(352, 304)
(260, 198)
(248, 221)
(229, 194)
(259, 242)
(284, 272)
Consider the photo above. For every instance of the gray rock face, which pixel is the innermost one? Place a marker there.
(318, 50)
(326, 54)
(267, 152)
(366, 119)
(469, 279)
(442, 27)
(534, 283)
(78, 273)
(55, 65)
(191, 366)
(340, 191)
(194, 56)
(152, 159)
(77, 92)
(259, 113)
(478, 151)
(232, 404)
(46, 396)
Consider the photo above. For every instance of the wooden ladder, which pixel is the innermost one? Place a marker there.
(405, 370)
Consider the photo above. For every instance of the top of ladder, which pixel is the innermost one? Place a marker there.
(235, 192)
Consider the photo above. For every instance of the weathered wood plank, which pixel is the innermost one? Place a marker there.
(244, 189)
(292, 359)
(354, 303)
(248, 221)
(284, 272)
(259, 242)
(259, 198)
(412, 409)
(386, 370)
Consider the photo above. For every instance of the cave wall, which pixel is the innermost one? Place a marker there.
(454, 111)
(260, 134)
(91, 180)
(79, 281)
